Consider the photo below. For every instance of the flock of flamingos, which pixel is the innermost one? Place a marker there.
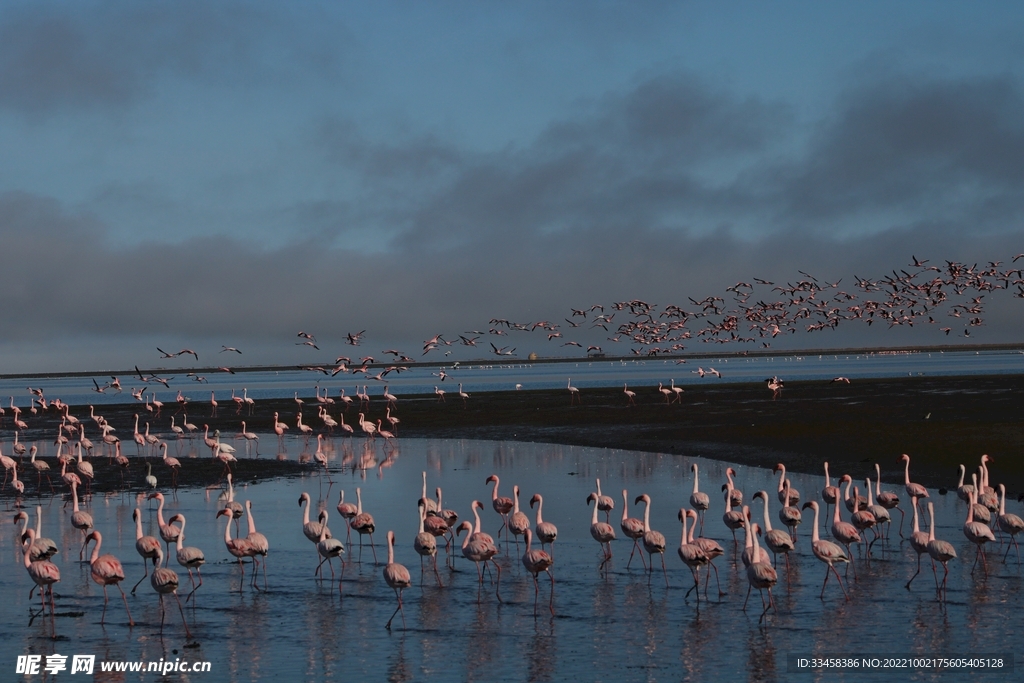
(869, 512)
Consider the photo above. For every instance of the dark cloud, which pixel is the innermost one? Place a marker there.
(87, 55)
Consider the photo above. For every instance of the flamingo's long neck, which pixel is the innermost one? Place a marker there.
(916, 525)
(476, 515)
(625, 505)
(682, 541)
(867, 485)
(96, 550)
(138, 524)
(359, 502)
(515, 500)
(1002, 500)
(227, 529)
(931, 523)
(782, 477)
(814, 530)
(906, 470)
(593, 519)
(963, 471)
(540, 506)
(846, 493)
(647, 515)
(693, 527)
(74, 496)
(248, 513)
(836, 519)
(423, 516)
(494, 492)
(305, 510)
(828, 482)
(391, 548)
(767, 517)
(695, 489)
(974, 499)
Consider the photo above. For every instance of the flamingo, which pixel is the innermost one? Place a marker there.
(168, 532)
(347, 512)
(602, 532)
(913, 490)
(321, 457)
(250, 403)
(1009, 523)
(165, 581)
(363, 524)
(388, 436)
(397, 577)
(976, 532)
(463, 395)
(150, 438)
(857, 501)
(213, 404)
(106, 570)
(173, 463)
(425, 545)
(44, 574)
(963, 491)
(546, 532)
(633, 528)
(250, 437)
(604, 503)
(311, 530)
(176, 429)
(864, 520)
(691, 555)
(479, 547)
(888, 500)
(238, 547)
(829, 494)
(279, 427)
(760, 574)
(733, 519)
(518, 522)
(735, 495)
(146, 546)
(574, 393)
(845, 533)
(41, 469)
(789, 515)
(368, 427)
(329, 548)
(880, 513)
(501, 504)
(787, 499)
(188, 425)
(698, 500)
(666, 393)
(535, 562)
(150, 479)
(140, 440)
(347, 428)
(188, 557)
(630, 395)
(41, 548)
(826, 551)
(777, 540)
(259, 543)
(941, 551)
(80, 520)
(678, 391)
(159, 405)
(919, 542)
(654, 541)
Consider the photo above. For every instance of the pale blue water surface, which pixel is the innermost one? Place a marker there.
(618, 626)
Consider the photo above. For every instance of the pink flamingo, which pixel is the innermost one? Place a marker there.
(919, 542)
(165, 581)
(168, 532)
(80, 520)
(479, 547)
(535, 562)
(913, 490)
(630, 395)
(363, 525)
(887, 499)
(711, 548)
(146, 546)
(845, 533)
(213, 405)
(329, 548)
(777, 540)
(760, 574)
(826, 551)
(238, 547)
(700, 501)
(1009, 523)
(106, 570)
(259, 543)
(733, 519)
(976, 532)
(173, 463)
(654, 541)
(347, 512)
(735, 495)
(501, 504)
(792, 497)
(574, 393)
(518, 522)
(633, 528)
(546, 532)
(44, 574)
(188, 557)
(602, 532)
(941, 551)
(691, 555)
(604, 503)
(397, 577)
(425, 545)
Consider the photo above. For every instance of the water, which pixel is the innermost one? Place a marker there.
(488, 377)
(619, 626)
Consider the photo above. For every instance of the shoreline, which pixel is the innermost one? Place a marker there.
(940, 422)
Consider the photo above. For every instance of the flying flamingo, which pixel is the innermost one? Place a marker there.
(188, 557)
(165, 581)
(941, 551)
(1009, 523)
(147, 546)
(535, 562)
(106, 570)
(976, 532)
(363, 524)
(700, 501)
(425, 545)
(44, 574)
(691, 555)
(793, 496)
(760, 574)
(633, 528)
(826, 551)
(919, 542)
(501, 504)
(397, 577)
(654, 541)
(777, 540)
(546, 531)
(602, 532)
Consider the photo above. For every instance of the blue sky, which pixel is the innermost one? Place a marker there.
(205, 174)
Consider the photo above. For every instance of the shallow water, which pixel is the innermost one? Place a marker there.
(488, 377)
(621, 625)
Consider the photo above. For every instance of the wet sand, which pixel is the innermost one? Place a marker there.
(939, 421)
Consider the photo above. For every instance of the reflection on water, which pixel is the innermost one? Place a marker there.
(620, 625)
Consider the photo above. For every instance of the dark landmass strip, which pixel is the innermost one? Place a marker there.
(940, 422)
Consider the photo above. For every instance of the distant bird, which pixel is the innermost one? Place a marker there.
(228, 348)
(840, 379)
(574, 393)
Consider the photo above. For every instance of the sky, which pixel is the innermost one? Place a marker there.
(196, 174)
